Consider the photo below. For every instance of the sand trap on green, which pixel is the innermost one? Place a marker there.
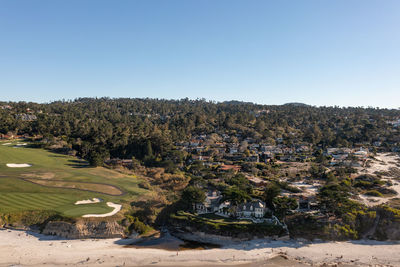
(88, 201)
(116, 207)
(15, 165)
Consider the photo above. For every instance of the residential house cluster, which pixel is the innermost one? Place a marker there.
(6, 107)
(236, 148)
(395, 123)
(353, 157)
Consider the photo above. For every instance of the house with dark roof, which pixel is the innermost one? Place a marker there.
(254, 209)
(213, 204)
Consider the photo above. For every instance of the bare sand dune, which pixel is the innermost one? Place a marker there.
(14, 165)
(308, 189)
(20, 248)
(117, 208)
(382, 163)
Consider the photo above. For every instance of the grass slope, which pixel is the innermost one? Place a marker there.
(17, 193)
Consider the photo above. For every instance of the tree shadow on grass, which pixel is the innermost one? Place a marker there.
(57, 156)
(74, 163)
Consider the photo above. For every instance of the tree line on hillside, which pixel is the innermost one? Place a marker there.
(148, 128)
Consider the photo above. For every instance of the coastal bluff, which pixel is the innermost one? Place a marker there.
(84, 229)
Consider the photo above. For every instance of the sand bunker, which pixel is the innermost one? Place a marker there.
(88, 201)
(116, 207)
(22, 144)
(14, 165)
(6, 144)
(18, 145)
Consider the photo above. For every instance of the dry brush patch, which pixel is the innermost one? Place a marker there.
(44, 175)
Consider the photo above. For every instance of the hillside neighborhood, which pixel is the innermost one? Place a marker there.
(234, 176)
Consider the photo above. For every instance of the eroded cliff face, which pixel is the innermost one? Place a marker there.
(387, 226)
(84, 229)
(378, 223)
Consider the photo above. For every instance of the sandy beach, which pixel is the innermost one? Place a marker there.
(30, 249)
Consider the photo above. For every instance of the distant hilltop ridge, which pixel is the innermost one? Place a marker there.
(296, 104)
(10, 105)
(237, 102)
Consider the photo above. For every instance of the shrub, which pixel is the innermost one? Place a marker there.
(144, 185)
(138, 226)
(28, 218)
(225, 227)
(374, 193)
(363, 184)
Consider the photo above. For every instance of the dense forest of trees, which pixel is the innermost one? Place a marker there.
(148, 128)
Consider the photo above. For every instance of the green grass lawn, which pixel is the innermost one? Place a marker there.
(219, 219)
(211, 218)
(63, 203)
(79, 210)
(17, 194)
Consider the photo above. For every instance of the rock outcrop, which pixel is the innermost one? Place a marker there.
(84, 229)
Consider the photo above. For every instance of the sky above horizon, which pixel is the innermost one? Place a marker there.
(324, 53)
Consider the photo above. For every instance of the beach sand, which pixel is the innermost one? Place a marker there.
(29, 249)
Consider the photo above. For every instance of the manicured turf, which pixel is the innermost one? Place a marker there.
(97, 208)
(18, 194)
(10, 202)
(32, 201)
(94, 187)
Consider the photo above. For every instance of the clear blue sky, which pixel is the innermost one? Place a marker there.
(341, 52)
